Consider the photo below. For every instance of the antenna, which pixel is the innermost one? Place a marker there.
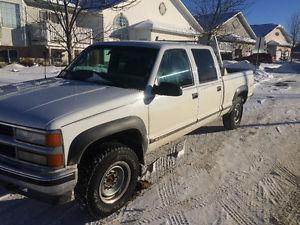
(45, 64)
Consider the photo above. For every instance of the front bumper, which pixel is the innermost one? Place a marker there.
(48, 186)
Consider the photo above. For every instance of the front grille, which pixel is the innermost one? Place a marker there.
(7, 150)
(6, 130)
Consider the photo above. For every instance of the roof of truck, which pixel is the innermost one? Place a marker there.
(146, 44)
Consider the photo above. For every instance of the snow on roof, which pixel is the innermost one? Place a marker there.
(155, 25)
(208, 22)
(279, 43)
(237, 38)
(261, 30)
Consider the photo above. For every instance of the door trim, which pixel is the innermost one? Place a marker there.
(187, 126)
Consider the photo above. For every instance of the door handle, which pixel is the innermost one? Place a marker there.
(195, 95)
(219, 88)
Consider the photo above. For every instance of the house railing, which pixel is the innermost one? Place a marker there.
(49, 33)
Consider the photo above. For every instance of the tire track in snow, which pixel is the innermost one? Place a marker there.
(177, 219)
(167, 191)
(274, 189)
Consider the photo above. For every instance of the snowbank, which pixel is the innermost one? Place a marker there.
(259, 74)
(16, 73)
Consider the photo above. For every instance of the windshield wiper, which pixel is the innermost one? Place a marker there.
(110, 79)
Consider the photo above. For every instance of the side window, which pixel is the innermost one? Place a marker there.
(175, 68)
(205, 64)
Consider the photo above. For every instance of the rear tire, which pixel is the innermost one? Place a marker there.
(107, 179)
(232, 119)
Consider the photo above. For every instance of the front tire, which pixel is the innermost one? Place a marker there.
(232, 119)
(107, 179)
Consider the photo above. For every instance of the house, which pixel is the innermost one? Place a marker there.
(13, 36)
(150, 20)
(296, 52)
(235, 36)
(29, 29)
(45, 34)
(277, 40)
(36, 31)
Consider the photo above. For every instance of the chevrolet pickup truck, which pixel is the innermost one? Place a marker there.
(86, 132)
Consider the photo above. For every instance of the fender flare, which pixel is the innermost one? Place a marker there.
(90, 136)
(239, 90)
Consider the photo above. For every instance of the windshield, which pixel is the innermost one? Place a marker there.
(127, 67)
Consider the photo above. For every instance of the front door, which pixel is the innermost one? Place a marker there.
(170, 114)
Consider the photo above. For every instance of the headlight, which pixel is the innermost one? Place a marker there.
(53, 139)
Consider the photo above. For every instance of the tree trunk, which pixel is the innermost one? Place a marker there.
(70, 49)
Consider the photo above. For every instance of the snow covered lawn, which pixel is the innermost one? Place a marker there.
(16, 73)
(247, 176)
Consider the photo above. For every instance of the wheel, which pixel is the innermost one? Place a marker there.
(107, 179)
(232, 119)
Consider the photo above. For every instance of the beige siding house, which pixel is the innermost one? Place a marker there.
(279, 44)
(45, 34)
(13, 38)
(235, 36)
(150, 20)
(29, 29)
(35, 31)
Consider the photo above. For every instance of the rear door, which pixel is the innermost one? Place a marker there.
(167, 115)
(210, 83)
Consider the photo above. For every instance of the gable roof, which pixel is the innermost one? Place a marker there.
(181, 8)
(191, 19)
(207, 21)
(261, 30)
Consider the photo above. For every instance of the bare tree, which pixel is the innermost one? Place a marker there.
(68, 13)
(212, 11)
(294, 29)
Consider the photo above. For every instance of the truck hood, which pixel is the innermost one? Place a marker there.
(39, 103)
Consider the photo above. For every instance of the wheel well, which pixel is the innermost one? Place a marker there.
(243, 95)
(131, 138)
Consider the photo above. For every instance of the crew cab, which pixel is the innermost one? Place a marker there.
(88, 130)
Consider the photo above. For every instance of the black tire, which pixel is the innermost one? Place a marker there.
(101, 188)
(232, 119)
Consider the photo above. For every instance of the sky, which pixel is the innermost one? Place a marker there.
(269, 11)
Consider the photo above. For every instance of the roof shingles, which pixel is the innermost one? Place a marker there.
(208, 22)
(262, 30)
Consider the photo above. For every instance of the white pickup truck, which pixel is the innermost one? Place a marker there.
(87, 130)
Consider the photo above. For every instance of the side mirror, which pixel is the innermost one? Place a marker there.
(167, 89)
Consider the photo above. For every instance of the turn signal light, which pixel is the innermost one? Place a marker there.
(55, 161)
(54, 140)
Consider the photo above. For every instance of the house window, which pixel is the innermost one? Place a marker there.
(162, 8)
(277, 34)
(10, 15)
(121, 21)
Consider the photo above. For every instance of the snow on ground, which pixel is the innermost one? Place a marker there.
(247, 176)
(260, 74)
(16, 73)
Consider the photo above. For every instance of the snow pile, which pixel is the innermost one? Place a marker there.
(243, 65)
(259, 74)
(14, 67)
(16, 73)
(293, 67)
